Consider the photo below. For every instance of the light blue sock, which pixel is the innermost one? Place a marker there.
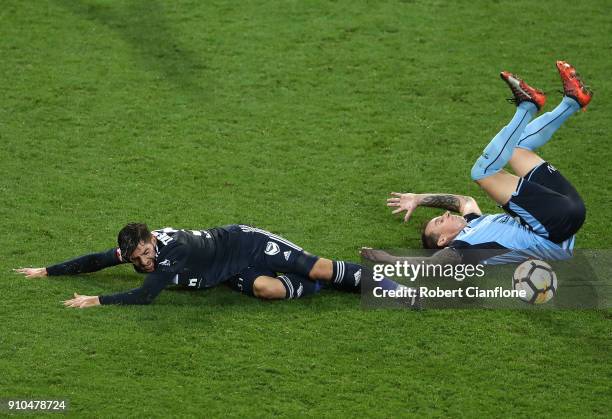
(539, 131)
(500, 149)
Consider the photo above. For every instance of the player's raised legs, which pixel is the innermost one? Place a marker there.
(541, 129)
(488, 170)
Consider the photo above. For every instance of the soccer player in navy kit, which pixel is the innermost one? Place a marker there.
(543, 210)
(253, 261)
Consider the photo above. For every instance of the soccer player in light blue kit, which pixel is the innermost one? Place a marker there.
(543, 210)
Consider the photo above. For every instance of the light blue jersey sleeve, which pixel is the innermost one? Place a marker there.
(498, 239)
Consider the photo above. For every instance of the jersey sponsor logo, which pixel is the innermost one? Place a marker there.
(271, 249)
(193, 282)
(164, 263)
(287, 254)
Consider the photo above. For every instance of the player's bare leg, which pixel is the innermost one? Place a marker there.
(285, 286)
(322, 270)
(524, 161)
(346, 276)
(500, 186)
(269, 288)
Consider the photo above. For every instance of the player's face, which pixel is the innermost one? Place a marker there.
(446, 226)
(144, 256)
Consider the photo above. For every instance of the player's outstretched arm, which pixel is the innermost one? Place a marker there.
(84, 264)
(152, 286)
(410, 201)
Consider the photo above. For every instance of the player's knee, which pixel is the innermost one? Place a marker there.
(268, 288)
(478, 171)
(304, 263)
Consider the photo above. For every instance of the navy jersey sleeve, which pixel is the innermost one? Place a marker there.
(170, 262)
(154, 284)
(87, 263)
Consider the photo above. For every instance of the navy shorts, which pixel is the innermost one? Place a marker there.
(243, 282)
(548, 204)
(268, 254)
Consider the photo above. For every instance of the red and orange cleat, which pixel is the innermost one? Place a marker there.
(523, 92)
(573, 85)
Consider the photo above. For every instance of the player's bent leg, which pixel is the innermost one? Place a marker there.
(500, 186)
(345, 276)
(548, 213)
(524, 161)
(547, 175)
(322, 270)
(541, 129)
(498, 152)
(280, 255)
(268, 288)
(296, 286)
(262, 283)
(284, 287)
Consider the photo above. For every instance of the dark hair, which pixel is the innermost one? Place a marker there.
(130, 237)
(430, 241)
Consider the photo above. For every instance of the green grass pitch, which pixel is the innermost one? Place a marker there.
(298, 117)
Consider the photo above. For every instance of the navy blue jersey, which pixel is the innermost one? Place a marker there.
(200, 258)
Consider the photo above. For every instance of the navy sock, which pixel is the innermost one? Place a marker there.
(347, 277)
(296, 286)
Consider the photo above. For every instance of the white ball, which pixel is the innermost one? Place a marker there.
(537, 279)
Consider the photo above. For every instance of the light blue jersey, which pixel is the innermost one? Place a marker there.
(498, 238)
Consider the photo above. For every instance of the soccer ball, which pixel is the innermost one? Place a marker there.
(538, 280)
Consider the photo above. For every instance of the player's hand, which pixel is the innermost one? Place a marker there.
(82, 301)
(32, 272)
(376, 255)
(403, 202)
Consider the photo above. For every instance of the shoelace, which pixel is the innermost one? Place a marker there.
(586, 89)
(513, 99)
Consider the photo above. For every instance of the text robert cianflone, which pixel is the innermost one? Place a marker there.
(437, 292)
(413, 271)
